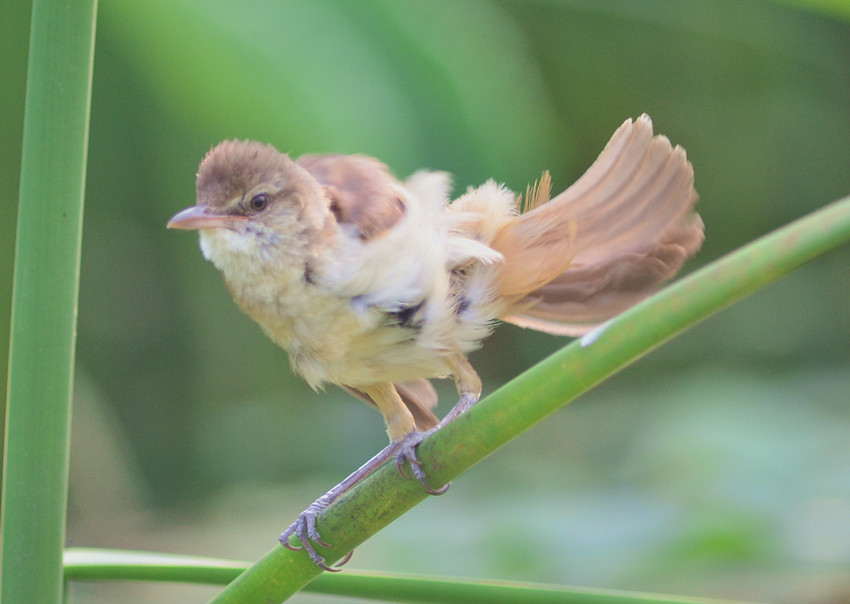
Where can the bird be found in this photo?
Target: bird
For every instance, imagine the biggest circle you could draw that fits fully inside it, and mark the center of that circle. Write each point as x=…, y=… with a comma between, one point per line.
x=378, y=285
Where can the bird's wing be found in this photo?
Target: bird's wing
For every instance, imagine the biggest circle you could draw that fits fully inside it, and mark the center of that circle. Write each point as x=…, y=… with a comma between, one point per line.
x=362, y=191
x=388, y=256
x=631, y=222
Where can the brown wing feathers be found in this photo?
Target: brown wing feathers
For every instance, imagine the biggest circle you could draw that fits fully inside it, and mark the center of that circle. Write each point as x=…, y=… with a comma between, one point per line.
x=361, y=189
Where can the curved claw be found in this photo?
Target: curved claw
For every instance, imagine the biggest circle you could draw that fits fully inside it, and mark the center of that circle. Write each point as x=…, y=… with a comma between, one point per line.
x=343, y=562
x=406, y=451
x=284, y=541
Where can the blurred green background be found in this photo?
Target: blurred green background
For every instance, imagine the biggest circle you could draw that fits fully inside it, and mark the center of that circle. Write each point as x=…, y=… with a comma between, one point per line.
x=717, y=466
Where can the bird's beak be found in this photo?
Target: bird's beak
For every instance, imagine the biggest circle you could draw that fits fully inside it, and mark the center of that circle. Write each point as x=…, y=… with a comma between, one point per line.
x=199, y=217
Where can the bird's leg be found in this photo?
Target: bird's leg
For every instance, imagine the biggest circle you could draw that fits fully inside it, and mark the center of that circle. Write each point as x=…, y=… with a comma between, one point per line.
x=401, y=429
x=469, y=388
x=404, y=438
x=400, y=424
x=304, y=528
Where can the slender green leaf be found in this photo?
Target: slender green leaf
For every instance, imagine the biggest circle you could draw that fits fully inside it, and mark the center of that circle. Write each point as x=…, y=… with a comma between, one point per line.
x=14, y=34
x=44, y=299
x=82, y=564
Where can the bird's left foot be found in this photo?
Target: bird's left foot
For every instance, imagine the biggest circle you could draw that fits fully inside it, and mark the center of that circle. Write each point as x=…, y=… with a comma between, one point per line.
x=406, y=451
x=304, y=529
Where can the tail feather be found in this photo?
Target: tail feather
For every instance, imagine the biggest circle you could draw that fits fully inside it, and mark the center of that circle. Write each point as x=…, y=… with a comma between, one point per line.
x=606, y=242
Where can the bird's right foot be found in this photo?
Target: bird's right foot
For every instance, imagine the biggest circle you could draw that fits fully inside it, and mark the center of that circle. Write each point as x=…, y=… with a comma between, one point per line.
x=406, y=451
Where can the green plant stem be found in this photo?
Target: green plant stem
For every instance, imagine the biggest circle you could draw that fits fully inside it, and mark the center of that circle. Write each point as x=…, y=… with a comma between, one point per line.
x=526, y=400
x=84, y=564
x=44, y=299
x=14, y=35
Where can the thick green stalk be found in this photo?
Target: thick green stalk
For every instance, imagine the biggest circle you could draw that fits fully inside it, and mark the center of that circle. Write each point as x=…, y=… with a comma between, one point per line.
x=526, y=400
x=44, y=299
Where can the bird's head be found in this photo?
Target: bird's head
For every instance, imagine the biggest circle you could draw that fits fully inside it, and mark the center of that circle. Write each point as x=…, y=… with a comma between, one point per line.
x=251, y=200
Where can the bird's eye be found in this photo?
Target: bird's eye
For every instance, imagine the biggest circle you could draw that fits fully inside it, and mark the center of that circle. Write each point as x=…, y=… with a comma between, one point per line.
x=259, y=202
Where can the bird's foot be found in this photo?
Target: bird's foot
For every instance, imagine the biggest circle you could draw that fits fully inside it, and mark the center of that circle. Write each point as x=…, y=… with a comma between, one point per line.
x=304, y=529
x=406, y=451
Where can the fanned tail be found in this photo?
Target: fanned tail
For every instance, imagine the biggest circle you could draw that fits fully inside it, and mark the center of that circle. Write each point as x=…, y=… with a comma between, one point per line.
x=605, y=243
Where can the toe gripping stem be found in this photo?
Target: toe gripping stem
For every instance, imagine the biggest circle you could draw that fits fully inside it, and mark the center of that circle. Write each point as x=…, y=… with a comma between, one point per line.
x=304, y=529
x=406, y=451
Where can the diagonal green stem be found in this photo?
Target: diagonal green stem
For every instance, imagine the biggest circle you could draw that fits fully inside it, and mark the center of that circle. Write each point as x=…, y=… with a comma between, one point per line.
x=44, y=299
x=526, y=400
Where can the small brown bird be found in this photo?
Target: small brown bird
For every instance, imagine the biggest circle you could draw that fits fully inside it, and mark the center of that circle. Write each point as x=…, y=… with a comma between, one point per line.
x=377, y=285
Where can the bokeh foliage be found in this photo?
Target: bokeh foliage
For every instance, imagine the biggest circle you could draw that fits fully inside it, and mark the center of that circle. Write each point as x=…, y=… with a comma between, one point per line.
x=716, y=466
